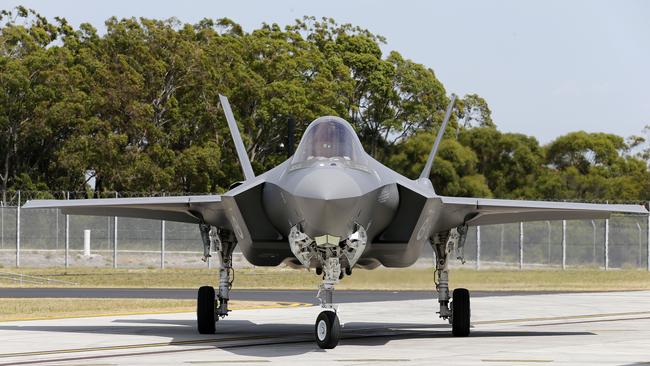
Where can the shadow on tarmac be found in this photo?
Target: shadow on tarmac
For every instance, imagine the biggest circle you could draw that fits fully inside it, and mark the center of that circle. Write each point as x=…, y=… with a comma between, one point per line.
x=246, y=338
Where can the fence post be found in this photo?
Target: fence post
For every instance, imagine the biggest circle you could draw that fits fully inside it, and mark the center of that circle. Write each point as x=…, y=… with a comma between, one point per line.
x=67, y=241
x=162, y=244
x=501, y=245
x=548, y=241
x=56, y=213
x=593, y=255
x=67, y=236
x=640, y=244
x=115, y=239
x=521, y=245
x=478, y=248
x=18, y=232
x=606, y=244
x=2, y=224
x=648, y=238
x=563, y=244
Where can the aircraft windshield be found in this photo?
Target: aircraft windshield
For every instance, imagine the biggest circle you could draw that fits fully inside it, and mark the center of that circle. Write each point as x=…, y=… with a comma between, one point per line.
x=329, y=138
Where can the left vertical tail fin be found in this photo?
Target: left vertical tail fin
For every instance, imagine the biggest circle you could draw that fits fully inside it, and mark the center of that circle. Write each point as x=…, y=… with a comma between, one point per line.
x=427, y=167
x=246, y=166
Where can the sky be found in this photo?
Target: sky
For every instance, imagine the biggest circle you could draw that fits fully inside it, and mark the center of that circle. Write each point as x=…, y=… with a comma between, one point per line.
x=546, y=68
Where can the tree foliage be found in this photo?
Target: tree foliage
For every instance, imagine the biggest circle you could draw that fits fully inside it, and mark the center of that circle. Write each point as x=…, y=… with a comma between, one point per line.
x=136, y=108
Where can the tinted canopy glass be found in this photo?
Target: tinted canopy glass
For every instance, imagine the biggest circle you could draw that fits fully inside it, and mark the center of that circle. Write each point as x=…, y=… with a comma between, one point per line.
x=329, y=138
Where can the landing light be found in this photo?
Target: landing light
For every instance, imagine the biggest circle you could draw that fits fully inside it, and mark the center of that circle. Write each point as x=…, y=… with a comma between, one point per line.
x=327, y=240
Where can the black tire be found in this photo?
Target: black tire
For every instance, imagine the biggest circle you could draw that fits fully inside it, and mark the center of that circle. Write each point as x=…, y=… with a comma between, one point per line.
x=460, y=313
x=205, y=314
x=327, y=330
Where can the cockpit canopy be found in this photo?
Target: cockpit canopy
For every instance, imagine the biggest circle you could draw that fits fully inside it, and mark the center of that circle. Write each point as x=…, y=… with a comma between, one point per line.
x=330, y=138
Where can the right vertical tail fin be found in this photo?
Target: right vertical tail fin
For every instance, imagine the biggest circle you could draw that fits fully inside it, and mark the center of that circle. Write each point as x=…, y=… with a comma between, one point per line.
x=427, y=167
x=246, y=166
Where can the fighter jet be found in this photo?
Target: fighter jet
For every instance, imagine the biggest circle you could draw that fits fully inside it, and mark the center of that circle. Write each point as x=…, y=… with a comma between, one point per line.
x=331, y=207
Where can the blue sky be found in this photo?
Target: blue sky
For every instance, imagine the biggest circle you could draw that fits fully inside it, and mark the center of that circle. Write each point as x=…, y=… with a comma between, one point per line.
x=545, y=67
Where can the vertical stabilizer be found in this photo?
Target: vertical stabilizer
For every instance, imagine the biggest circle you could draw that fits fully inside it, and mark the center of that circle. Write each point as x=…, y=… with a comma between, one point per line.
x=427, y=167
x=239, y=144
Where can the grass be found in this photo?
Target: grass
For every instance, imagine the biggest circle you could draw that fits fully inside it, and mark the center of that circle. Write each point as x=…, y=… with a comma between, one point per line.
x=31, y=309
x=379, y=279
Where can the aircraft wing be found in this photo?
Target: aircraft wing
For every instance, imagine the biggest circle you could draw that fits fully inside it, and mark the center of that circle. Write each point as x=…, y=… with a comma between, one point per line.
x=455, y=211
x=192, y=209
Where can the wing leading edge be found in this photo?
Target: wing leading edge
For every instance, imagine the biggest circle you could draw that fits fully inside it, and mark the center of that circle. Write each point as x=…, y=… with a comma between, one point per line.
x=456, y=211
x=191, y=209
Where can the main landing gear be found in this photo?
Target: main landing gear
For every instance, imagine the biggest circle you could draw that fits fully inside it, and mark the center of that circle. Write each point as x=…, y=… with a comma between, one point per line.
x=211, y=305
x=459, y=313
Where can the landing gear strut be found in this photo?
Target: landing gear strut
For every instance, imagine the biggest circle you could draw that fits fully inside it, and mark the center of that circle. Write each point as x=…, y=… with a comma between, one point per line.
x=459, y=313
x=211, y=306
x=332, y=258
x=328, y=327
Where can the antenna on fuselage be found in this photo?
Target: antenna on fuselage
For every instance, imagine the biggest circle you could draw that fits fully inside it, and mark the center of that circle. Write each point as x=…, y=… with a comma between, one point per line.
x=239, y=143
x=427, y=167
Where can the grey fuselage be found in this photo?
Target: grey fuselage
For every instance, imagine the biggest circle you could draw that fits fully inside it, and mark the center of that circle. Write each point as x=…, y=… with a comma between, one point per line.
x=330, y=196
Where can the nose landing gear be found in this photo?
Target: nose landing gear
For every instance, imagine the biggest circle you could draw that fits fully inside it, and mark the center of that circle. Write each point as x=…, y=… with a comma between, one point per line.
x=328, y=327
x=329, y=255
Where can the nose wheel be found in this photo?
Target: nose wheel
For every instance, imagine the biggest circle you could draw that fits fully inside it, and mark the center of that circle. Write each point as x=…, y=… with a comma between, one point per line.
x=327, y=329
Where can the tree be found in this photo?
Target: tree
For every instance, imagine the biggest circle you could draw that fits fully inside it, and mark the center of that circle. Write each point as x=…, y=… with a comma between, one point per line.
x=510, y=162
x=582, y=150
x=387, y=99
x=454, y=170
x=594, y=166
x=137, y=108
x=473, y=111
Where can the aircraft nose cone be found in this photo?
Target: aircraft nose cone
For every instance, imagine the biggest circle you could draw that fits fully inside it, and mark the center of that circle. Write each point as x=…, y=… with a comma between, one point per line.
x=328, y=202
x=327, y=184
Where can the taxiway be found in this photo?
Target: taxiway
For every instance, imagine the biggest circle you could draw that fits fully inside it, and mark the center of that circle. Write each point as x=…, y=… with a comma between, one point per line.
x=564, y=329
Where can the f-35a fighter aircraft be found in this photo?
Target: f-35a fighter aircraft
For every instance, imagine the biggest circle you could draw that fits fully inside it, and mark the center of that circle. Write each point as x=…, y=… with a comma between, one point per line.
x=332, y=207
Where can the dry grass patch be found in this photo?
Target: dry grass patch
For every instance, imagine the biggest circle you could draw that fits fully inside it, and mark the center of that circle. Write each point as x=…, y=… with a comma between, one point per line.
x=379, y=279
x=47, y=308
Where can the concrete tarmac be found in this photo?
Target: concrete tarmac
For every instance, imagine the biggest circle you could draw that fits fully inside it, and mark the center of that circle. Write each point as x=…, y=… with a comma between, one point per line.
x=564, y=329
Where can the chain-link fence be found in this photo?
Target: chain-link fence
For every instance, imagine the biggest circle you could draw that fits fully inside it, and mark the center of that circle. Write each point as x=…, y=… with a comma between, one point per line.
x=619, y=242
x=48, y=238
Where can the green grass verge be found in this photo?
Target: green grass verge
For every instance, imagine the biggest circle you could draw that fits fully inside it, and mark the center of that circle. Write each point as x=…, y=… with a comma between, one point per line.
x=379, y=279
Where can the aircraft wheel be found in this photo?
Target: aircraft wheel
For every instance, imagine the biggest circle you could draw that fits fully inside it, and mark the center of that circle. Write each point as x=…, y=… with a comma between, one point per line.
x=328, y=329
x=205, y=314
x=460, y=313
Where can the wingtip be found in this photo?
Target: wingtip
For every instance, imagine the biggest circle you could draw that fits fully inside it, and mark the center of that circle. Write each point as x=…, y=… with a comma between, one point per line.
x=34, y=204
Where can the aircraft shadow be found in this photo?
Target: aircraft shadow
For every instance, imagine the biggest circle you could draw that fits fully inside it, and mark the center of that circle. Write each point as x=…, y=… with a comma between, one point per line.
x=276, y=340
